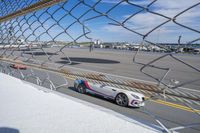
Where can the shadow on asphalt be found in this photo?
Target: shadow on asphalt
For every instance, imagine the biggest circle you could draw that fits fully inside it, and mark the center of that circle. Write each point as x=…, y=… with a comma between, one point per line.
x=40, y=53
x=91, y=60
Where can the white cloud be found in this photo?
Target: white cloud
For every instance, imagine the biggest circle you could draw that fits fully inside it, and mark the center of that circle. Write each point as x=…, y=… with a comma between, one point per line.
x=174, y=4
x=144, y=22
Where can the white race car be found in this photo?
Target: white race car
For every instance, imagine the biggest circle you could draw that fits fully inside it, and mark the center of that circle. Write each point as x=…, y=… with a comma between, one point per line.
x=121, y=97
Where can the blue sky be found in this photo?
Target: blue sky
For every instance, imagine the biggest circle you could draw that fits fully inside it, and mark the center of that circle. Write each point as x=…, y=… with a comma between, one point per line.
x=102, y=29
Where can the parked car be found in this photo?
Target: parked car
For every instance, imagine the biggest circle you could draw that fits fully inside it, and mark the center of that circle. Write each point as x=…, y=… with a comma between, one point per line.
x=120, y=96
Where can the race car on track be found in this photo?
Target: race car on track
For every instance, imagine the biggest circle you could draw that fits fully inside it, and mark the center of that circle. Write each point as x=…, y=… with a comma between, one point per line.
x=18, y=66
x=120, y=96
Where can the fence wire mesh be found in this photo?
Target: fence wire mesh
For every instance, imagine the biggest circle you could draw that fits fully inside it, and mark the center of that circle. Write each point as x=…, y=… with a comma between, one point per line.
x=39, y=32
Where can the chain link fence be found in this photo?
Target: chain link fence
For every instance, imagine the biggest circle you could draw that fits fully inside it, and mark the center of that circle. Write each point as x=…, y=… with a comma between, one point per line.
x=47, y=28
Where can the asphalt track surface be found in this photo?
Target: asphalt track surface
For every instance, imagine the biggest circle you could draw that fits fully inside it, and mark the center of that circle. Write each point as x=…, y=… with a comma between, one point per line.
x=170, y=116
x=119, y=62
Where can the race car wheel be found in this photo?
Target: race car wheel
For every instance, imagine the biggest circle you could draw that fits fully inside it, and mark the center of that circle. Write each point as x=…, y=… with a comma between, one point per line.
x=121, y=99
x=81, y=89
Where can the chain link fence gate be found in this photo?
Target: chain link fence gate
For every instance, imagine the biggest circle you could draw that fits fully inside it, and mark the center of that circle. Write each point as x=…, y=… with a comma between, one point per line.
x=29, y=28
